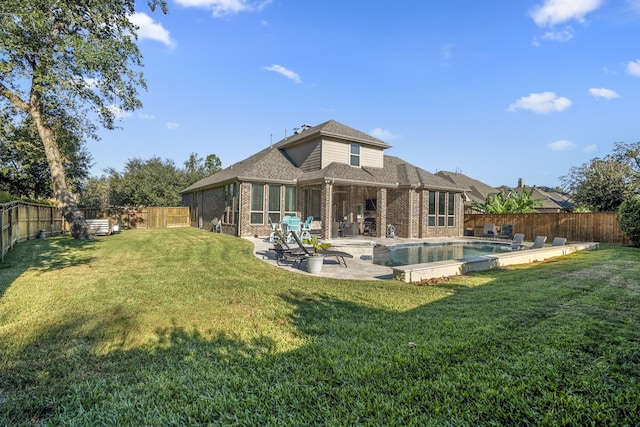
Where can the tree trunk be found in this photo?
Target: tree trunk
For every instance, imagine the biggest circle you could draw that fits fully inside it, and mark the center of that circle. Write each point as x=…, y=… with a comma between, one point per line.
x=79, y=228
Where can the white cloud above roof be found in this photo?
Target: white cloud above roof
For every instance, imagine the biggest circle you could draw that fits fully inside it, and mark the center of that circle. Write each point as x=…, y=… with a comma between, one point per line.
x=561, y=145
x=172, y=125
x=553, y=12
x=603, y=93
x=291, y=75
x=225, y=7
x=633, y=68
x=382, y=134
x=148, y=29
x=541, y=103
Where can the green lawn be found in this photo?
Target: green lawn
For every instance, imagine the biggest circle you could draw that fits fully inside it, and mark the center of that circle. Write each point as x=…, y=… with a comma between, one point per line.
x=186, y=327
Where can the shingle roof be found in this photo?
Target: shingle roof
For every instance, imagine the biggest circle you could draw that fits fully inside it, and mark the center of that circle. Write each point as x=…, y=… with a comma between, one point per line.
x=332, y=128
x=272, y=164
x=476, y=190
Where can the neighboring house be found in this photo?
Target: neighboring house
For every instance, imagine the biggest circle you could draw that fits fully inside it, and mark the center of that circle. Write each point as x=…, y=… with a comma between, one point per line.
x=551, y=200
x=335, y=174
x=477, y=191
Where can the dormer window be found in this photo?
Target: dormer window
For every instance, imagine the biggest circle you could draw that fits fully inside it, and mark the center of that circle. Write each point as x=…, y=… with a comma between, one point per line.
x=355, y=155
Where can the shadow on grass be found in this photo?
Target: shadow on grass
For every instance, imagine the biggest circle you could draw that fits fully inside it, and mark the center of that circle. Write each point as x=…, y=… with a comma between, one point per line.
x=54, y=253
x=475, y=358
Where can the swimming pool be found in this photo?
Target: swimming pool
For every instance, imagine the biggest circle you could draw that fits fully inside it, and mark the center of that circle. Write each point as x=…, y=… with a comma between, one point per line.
x=396, y=255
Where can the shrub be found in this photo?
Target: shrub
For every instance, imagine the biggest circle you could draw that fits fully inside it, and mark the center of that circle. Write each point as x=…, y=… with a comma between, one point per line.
x=629, y=219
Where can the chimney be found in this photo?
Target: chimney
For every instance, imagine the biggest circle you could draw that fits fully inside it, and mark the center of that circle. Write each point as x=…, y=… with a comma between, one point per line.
x=519, y=182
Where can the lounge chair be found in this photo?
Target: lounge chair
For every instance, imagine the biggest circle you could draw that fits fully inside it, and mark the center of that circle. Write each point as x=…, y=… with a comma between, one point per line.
x=285, y=253
x=539, y=242
x=559, y=241
x=506, y=232
x=340, y=256
x=516, y=244
x=490, y=230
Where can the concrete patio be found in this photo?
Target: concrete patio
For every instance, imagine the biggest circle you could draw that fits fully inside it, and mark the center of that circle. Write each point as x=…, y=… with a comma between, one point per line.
x=361, y=266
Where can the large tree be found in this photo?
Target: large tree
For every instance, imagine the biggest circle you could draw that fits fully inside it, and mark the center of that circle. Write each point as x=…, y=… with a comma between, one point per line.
x=153, y=182
x=24, y=171
x=599, y=185
x=58, y=60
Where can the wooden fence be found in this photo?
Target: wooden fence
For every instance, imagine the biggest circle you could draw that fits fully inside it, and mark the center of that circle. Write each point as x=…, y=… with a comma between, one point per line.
x=599, y=227
x=145, y=217
x=20, y=221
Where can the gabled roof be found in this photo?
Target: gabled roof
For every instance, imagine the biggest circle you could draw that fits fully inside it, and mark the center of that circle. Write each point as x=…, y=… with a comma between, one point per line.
x=476, y=190
x=334, y=129
x=273, y=165
x=396, y=173
x=270, y=164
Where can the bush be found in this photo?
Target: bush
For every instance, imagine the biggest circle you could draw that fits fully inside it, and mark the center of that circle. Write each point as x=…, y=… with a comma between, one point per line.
x=629, y=219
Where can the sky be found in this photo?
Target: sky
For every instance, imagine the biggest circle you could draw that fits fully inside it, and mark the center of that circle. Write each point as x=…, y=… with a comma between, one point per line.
x=497, y=90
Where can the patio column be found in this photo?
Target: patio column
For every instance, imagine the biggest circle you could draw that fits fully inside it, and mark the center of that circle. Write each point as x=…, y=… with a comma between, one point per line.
x=327, y=203
x=381, y=213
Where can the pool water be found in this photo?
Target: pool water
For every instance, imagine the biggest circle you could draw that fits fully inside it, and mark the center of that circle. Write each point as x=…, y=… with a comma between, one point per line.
x=429, y=252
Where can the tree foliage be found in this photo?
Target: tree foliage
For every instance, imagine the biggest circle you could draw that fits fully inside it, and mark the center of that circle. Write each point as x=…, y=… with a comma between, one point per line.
x=63, y=61
x=197, y=168
x=629, y=219
x=24, y=171
x=153, y=182
x=599, y=185
x=512, y=202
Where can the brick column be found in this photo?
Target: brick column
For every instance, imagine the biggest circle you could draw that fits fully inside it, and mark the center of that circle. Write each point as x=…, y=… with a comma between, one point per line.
x=327, y=201
x=381, y=214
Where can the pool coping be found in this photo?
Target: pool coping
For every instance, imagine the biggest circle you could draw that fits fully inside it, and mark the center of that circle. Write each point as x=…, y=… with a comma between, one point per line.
x=432, y=270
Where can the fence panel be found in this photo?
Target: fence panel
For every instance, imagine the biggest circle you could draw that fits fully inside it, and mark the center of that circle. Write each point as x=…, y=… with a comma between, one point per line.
x=576, y=227
x=20, y=221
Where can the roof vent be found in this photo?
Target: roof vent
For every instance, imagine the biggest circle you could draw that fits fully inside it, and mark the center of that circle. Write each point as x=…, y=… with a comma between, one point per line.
x=301, y=129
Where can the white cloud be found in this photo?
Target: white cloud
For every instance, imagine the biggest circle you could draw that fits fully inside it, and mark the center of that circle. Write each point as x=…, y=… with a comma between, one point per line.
x=148, y=29
x=590, y=148
x=562, y=36
x=541, y=103
x=291, y=75
x=91, y=82
x=225, y=7
x=633, y=68
x=172, y=125
x=118, y=113
x=562, y=145
x=146, y=116
x=382, y=134
x=553, y=12
x=603, y=93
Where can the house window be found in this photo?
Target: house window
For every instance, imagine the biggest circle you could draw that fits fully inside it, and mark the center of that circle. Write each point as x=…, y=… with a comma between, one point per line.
x=231, y=210
x=355, y=155
x=290, y=200
x=442, y=198
x=451, y=212
x=432, y=209
x=257, y=203
x=316, y=203
x=274, y=203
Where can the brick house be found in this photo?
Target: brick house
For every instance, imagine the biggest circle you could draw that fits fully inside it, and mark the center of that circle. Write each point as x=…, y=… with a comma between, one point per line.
x=336, y=174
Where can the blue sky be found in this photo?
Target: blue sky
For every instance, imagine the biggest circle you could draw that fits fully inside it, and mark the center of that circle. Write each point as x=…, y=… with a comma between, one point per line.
x=498, y=90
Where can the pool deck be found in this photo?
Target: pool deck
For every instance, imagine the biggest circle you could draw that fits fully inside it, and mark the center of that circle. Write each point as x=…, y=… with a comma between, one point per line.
x=361, y=267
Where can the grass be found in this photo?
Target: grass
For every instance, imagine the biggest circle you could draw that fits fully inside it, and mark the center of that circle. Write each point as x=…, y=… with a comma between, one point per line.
x=185, y=327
